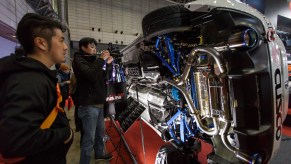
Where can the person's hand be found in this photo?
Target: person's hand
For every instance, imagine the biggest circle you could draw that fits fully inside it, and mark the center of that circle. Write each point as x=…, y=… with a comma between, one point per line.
x=69, y=139
x=68, y=82
x=105, y=55
x=109, y=60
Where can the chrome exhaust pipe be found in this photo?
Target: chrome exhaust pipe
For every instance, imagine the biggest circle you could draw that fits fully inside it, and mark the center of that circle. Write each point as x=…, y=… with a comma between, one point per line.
x=196, y=113
x=240, y=155
x=194, y=54
x=245, y=39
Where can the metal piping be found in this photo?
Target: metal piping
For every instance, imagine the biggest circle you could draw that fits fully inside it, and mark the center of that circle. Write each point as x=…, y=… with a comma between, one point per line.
x=244, y=39
x=242, y=156
x=191, y=59
x=193, y=110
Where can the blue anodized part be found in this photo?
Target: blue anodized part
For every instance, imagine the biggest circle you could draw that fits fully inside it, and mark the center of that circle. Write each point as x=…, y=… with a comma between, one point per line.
x=185, y=130
x=158, y=54
x=166, y=63
x=178, y=62
x=171, y=52
x=158, y=43
x=175, y=94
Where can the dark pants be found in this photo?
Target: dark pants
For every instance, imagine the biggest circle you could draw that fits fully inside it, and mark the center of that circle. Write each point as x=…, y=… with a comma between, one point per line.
x=93, y=125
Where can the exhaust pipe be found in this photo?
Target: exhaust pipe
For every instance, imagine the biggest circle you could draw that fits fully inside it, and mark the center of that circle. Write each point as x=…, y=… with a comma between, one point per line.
x=204, y=129
x=246, y=39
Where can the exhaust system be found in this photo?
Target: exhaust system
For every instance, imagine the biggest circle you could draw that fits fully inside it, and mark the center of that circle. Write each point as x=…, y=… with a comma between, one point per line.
x=243, y=40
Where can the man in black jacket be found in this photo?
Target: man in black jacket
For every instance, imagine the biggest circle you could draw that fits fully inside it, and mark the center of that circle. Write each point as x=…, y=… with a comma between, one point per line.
x=28, y=95
x=91, y=75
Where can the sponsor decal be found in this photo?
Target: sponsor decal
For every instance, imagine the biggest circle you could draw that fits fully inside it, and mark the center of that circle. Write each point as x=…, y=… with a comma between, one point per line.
x=113, y=97
x=278, y=93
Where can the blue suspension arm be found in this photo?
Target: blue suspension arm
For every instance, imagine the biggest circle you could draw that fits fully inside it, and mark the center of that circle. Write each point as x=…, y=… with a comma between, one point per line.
x=182, y=131
x=185, y=130
x=166, y=63
x=171, y=52
x=174, y=117
x=173, y=136
x=178, y=63
x=158, y=43
x=158, y=54
x=190, y=133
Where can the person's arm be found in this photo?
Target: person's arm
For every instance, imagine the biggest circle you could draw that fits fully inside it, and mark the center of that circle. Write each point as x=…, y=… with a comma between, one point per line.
x=64, y=83
x=88, y=71
x=109, y=67
x=21, y=117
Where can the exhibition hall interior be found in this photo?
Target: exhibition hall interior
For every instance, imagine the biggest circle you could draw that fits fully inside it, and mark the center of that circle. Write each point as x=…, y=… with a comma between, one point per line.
x=145, y=81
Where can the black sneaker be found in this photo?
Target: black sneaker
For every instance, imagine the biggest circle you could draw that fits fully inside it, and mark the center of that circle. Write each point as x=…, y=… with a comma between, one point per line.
x=105, y=157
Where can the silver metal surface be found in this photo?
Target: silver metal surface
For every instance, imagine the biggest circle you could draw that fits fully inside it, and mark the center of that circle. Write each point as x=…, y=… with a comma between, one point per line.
x=202, y=93
x=148, y=95
x=239, y=154
x=195, y=112
x=195, y=54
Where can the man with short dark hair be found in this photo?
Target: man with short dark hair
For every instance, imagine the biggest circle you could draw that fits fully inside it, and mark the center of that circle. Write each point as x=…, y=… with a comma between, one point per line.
x=91, y=96
x=28, y=96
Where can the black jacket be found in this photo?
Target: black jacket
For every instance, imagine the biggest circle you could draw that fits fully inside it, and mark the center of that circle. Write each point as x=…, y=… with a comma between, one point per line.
x=90, y=76
x=27, y=96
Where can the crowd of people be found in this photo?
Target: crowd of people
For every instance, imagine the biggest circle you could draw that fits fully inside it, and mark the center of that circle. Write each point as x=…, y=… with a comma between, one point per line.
x=34, y=127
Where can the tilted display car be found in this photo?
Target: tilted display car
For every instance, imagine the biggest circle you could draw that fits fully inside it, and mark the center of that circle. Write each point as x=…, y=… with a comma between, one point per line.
x=212, y=70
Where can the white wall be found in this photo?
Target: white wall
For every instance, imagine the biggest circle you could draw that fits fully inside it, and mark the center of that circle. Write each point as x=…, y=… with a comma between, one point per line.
x=275, y=8
x=109, y=15
x=11, y=11
x=6, y=47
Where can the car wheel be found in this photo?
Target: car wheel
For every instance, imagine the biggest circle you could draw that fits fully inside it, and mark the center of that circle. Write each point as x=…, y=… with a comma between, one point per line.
x=168, y=19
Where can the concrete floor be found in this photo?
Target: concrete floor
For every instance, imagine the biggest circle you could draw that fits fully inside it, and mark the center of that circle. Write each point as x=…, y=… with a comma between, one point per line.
x=73, y=155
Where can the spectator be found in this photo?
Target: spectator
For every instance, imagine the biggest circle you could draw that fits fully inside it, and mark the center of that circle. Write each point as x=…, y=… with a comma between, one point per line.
x=63, y=76
x=91, y=97
x=29, y=95
x=73, y=91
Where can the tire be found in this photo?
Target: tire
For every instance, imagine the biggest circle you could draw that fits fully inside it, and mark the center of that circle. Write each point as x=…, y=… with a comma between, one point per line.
x=175, y=18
